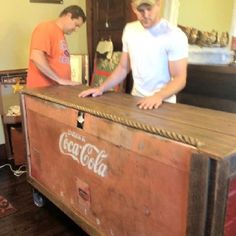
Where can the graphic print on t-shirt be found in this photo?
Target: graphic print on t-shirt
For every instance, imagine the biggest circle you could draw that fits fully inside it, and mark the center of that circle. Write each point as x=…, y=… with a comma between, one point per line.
x=65, y=56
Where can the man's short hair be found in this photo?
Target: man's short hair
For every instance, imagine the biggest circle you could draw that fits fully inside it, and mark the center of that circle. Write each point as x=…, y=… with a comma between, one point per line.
x=75, y=11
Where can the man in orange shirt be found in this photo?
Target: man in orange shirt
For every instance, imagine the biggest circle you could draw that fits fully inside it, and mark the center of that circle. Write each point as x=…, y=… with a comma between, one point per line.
x=49, y=62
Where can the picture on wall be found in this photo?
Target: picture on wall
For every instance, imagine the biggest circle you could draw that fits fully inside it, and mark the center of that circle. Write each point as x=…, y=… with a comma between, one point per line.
x=47, y=1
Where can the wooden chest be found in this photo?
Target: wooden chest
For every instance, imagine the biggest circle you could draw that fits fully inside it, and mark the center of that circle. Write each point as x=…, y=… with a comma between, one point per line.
x=117, y=170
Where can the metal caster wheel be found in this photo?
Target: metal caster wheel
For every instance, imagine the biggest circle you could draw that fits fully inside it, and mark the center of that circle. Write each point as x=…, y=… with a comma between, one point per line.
x=39, y=199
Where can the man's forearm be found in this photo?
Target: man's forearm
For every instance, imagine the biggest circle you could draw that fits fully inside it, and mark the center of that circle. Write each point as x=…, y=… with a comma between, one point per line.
x=118, y=75
x=173, y=87
x=47, y=71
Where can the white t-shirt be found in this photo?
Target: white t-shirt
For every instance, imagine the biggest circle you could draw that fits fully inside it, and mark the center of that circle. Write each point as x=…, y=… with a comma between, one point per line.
x=149, y=51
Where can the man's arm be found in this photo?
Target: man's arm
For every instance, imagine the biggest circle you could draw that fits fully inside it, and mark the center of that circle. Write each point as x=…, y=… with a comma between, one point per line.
x=39, y=59
x=178, y=72
x=117, y=76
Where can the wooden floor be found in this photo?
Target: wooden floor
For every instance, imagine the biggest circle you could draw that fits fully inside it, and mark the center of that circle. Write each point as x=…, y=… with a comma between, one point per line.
x=30, y=220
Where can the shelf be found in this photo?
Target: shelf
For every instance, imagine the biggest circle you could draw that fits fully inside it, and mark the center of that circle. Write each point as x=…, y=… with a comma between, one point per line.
x=11, y=119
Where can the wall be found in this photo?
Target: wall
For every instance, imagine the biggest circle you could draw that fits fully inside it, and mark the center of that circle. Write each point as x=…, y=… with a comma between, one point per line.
x=18, y=19
x=206, y=14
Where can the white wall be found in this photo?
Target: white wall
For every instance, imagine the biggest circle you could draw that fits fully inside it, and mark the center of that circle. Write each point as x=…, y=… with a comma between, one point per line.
x=206, y=14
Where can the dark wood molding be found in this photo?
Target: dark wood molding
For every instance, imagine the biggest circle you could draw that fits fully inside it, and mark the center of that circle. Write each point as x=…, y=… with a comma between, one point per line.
x=15, y=71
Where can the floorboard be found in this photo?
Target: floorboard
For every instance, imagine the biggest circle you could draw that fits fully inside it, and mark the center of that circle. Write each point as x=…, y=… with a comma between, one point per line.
x=30, y=220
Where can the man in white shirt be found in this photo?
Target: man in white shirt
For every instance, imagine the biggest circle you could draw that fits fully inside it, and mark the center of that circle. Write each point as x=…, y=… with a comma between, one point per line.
x=156, y=52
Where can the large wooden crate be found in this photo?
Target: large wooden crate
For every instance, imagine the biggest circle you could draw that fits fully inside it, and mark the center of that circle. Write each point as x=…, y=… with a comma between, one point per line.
x=118, y=170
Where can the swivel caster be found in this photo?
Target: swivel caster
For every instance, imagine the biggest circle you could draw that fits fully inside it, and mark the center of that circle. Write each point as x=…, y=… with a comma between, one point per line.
x=39, y=199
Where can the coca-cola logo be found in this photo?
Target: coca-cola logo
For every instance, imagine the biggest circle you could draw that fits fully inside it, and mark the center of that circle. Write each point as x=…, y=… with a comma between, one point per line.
x=87, y=154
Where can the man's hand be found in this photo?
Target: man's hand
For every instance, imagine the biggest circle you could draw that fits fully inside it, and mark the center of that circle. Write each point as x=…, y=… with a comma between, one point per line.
x=148, y=103
x=94, y=92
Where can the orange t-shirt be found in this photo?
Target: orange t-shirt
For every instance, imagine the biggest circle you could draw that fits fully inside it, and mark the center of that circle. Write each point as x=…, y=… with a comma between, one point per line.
x=49, y=38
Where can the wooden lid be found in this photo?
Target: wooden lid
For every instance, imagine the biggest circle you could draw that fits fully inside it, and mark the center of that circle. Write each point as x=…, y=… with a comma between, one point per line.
x=210, y=131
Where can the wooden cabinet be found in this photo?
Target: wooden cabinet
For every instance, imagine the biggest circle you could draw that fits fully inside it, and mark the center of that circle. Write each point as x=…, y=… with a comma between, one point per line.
x=9, y=78
x=106, y=20
x=10, y=98
x=210, y=86
x=18, y=145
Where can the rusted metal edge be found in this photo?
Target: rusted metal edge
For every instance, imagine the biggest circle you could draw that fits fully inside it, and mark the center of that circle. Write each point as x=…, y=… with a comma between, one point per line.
x=150, y=129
